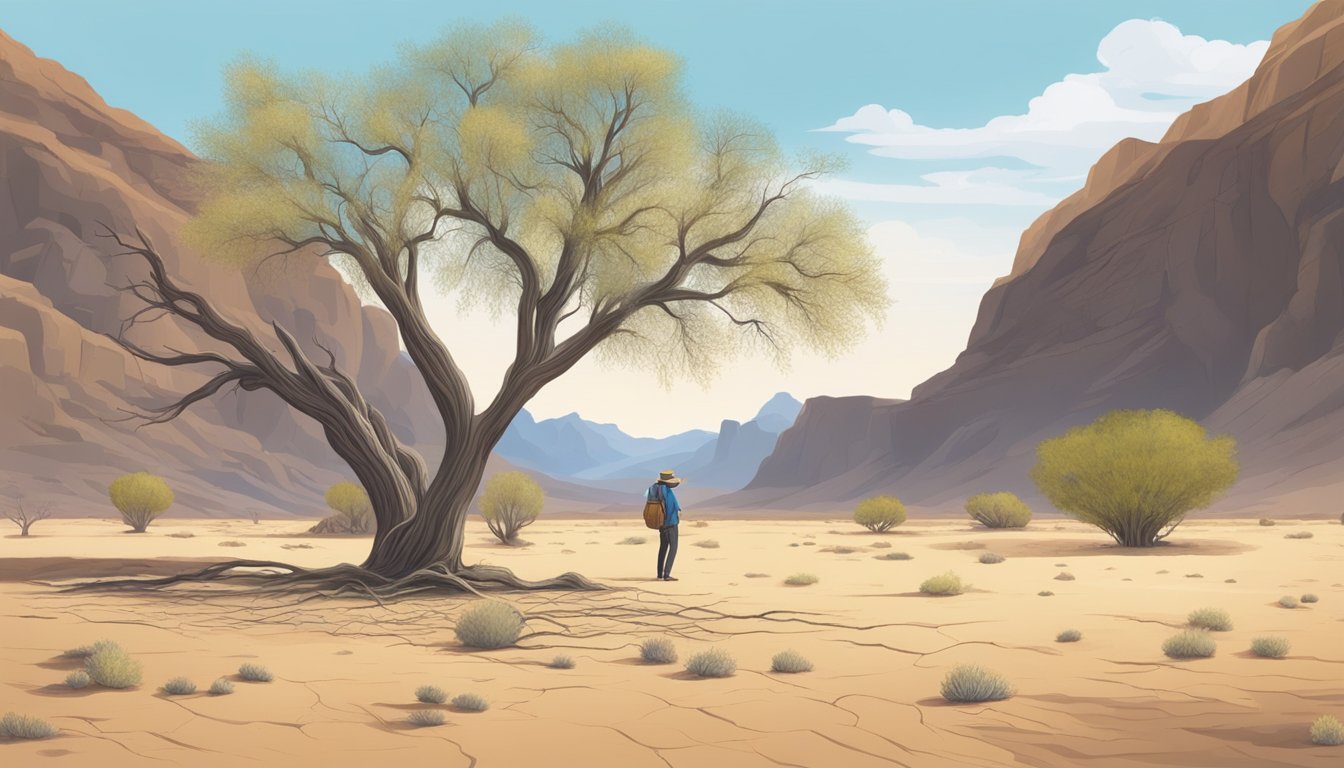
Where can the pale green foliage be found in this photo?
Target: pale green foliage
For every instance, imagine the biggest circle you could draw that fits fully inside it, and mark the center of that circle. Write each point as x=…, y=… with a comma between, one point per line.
x=1327, y=731
x=1270, y=646
x=354, y=510
x=880, y=513
x=715, y=662
x=15, y=726
x=425, y=718
x=561, y=662
x=1288, y=601
x=1069, y=636
x=510, y=502
x=790, y=662
x=140, y=498
x=470, y=702
x=991, y=558
x=801, y=580
x=1135, y=474
x=111, y=667
x=430, y=694
x=179, y=686
x=1213, y=619
x=973, y=683
x=999, y=510
x=489, y=624
x=945, y=584
x=85, y=651
x=658, y=650
x=1190, y=644
x=255, y=673
x=221, y=687
x=78, y=679
x=496, y=165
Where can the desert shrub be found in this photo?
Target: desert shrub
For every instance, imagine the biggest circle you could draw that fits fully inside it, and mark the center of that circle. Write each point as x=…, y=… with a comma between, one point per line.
x=354, y=510
x=1288, y=601
x=470, y=702
x=561, y=662
x=489, y=624
x=1135, y=474
x=894, y=556
x=1045, y=593
x=658, y=650
x=24, y=514
x=111, y=667
x=221, y=687
x=78, y=679
x=1069, y=636
x=715, y=662
x=1064, y=576
x=140, y=498
x=999, y=510
x=801, y=580
x=510, y=502
x=990, y=558
x=1190, y=644
x=1270, y=646
x=1299, y=535
x=179, y=686
x=1229, y=581
x=233, y=544
x=85, y=651
x=632, y=540
x=1327, y=732
x=945, y=584
x=881, y=545
x=880, y=513
x=15, y=726
x=790, y=662
x=430, y=694
x=426, y=718
x=255, y=673
x=1310, y=598
x=973, y=683
x=1213, y=619
x=707, y=544
x=1266, y=522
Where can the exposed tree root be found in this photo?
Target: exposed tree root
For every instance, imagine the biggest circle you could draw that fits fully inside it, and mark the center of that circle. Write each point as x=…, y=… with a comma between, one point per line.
x=344, y=580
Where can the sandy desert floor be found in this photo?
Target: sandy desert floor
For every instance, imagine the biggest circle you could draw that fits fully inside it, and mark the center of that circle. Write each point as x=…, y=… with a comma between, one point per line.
x=345, y=671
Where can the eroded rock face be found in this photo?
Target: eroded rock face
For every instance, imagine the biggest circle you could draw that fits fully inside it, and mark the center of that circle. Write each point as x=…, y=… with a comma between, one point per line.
x=1203, y=273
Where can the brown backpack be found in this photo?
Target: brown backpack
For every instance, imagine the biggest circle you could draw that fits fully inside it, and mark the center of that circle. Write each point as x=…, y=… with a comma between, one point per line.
x=655, y=510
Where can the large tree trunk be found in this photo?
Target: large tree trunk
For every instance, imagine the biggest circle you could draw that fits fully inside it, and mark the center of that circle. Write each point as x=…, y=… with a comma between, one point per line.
x=433, y=535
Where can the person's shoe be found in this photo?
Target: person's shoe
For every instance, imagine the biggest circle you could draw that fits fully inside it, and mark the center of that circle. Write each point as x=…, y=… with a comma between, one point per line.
x=671, y=578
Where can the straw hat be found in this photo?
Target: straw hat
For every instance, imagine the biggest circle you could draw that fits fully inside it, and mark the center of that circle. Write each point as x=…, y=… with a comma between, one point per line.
x=669, y=477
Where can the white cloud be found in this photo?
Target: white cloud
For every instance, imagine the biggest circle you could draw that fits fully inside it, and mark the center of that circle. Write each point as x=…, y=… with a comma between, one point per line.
x=1152, y=73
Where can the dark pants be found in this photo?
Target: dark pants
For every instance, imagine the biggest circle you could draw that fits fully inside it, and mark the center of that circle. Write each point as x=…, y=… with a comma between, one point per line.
x=667, y=550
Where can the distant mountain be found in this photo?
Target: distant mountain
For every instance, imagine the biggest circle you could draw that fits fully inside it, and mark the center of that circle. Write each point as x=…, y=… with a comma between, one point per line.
x=731, y=460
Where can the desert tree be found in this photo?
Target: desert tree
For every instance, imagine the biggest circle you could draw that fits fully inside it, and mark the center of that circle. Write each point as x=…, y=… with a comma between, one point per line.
x=1135, y=474
x=25, y=513
x=510, y=502
x=879, y=513
x=570, y=187
x=140, y=498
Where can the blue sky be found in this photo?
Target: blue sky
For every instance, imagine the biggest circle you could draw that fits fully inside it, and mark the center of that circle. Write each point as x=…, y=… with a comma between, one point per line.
x=932, y=102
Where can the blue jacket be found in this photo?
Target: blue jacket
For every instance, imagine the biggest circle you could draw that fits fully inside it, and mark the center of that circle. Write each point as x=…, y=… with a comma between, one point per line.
x=671, y=507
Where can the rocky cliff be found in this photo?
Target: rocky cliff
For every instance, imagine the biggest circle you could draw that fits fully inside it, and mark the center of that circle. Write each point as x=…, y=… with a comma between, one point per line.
x=1203, y=273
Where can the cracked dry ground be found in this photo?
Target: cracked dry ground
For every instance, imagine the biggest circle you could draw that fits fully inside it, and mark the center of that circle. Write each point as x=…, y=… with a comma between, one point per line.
x=345, y=671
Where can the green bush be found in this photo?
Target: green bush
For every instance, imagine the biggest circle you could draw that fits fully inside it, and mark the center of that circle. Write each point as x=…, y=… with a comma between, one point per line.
x=801, y=580
x=78, y=679
x=945, y=584
x=561, y=662
x=15, y=726
x=489, y=624
x=510, y=502
x=353, y=508
x=973, y=683
x=990, y=558
x=880, y=513
x=470, y=702
x=1190, y=644
x=140, y=498
x=658, y=650
x=179, y=686
x=1310, y=598
x=715, y=662
x=790, y=662
x=1270, y=646
x=430, y=694
x=254, y=673
x=426, y=718
x=1135, y=474
x=894, y=556
x=1299, y=535
x=1288, y=601
x=1213, y=619
x=111, y=667
x=221, y=687
x=1069, y=636
x=999, y=510
x=1327, y=732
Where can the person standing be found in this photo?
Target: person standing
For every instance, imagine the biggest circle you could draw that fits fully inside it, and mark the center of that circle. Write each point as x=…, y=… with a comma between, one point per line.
x=667, y=533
